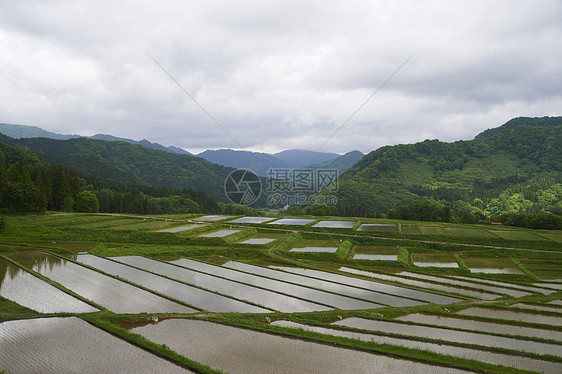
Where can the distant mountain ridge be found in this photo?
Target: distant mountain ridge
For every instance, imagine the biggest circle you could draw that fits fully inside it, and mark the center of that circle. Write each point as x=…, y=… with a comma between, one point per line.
x=24, y=131
x=261, y=163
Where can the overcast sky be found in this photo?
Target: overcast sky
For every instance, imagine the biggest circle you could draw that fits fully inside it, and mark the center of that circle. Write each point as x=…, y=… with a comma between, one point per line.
x=279, y=74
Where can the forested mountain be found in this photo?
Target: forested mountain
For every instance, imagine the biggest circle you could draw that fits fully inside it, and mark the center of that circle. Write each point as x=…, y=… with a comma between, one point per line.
x=21, y=131
x=29, y=184
x=514, y=168
x=300, y=158
x=258, y=162
x=129, y=163
x=341, y=163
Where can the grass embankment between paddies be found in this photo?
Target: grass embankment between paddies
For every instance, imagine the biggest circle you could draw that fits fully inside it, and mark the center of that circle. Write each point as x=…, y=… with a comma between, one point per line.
x=345, y=250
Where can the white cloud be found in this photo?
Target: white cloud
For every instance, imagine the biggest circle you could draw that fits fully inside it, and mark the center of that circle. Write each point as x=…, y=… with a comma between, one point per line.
x=279, y=74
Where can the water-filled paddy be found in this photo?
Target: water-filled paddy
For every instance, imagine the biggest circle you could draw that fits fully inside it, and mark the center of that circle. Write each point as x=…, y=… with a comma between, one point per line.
x=115, y=295
x=518, y=286
x=26, y=289
x=492, y=265
x=375, y=257
x=544, y=308
x=396, y=291
x=219, y=234
x=469, y=324
x=252, y=220
x=291, y=221
x=491, y=357
x=441, y=260
x=257, y=241
x=181, y=228
x=424, y=284
x=191, y=295
x=243, y=351
x=335, y=224
x=300, y=289
x=462, y=283
x=451, y=335
x=71, y=345
x=212, y=218
x=512, y=315
x=238, y=290
x=342, y=288
x=374, y=252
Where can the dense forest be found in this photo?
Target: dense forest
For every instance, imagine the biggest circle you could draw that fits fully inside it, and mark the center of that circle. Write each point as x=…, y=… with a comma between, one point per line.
x=513, y=169
x=30, y=184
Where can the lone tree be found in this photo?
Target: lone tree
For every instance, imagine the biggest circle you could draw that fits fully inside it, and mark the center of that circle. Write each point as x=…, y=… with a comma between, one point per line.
x=86, y=202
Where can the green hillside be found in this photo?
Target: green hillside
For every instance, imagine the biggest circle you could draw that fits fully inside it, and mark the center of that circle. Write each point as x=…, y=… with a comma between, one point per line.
x=341, y=163
x=514, y=168
x=129, y=163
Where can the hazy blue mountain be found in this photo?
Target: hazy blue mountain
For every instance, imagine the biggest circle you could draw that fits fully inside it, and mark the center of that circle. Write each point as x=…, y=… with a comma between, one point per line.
x=23, y=131
x=302, y=158
x=255, y=161
x=341, y=163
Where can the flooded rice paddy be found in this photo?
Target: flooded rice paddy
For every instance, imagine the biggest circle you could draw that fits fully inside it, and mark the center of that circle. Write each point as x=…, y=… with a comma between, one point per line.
x=237, y=350
x=453, y=335
x=301, y=290
x=212, y=218
x=194, y=296
x=491, y=327
x=71, y=345
x=219, y=234
x=252, y=220
x=182, y=228
x=111, y=293
x=291, y=221
x=378, y=227
x=335, y=224
x=257, y=241
x=544, y=308
x=212, y=281
x=424, y=284
x=512, y=315
x=483, y=355
x=398, y=293
x=471, y=284
x=28, y=290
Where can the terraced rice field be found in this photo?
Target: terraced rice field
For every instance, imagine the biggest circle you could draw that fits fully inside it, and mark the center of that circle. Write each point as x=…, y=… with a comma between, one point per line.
x=252, y=220
x=71, y=345
x=373, y=252
x=222, y=283
x=425, y=284
x=28, y=290
x=181, y=228
x=113, y=294
x=291, y=221
x=335, y=224
x=190, y=295
x=237, y=350
x=495, y=357
x=212, y=218
x=301, y=290
x=453, y=335
x=257, y=241
x=491, y=265
x=383, y=288
x=473, y=325
x=378, y=227
x=526, y=317
x=219, y=234
x=441, y=260
x=340, y=288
